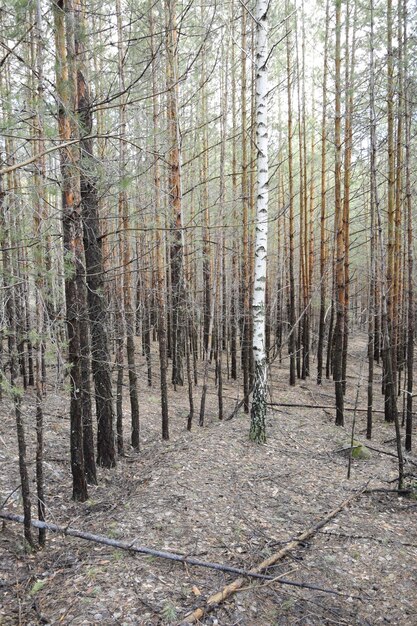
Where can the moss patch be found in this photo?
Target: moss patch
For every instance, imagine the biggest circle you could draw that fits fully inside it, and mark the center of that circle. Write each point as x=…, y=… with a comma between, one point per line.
x=360, y=452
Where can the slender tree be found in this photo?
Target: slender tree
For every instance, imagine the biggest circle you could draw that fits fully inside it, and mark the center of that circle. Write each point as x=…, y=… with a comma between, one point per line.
x=410, y=256
x=39, y=220
x=160, y=285
x=384, y=280
x=15, y=390
x=175, y=200
x=323, y=215
x=245, y=275
x=390, y=384
x=291, y=335
x=124, y=218
x=340, y=251
x=97, y=305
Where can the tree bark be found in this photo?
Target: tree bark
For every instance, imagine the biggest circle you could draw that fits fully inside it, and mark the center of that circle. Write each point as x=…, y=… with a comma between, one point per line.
x=323, y=215
x=291, y=335
x=258, y=409
x=160, y=257
x=340, y=251
x=97, y=306
x=175, y=200
x=15, y=391
x=390, y=379
x=125, y=222
x=389, y=382
x=72, y=229
x=410, y=256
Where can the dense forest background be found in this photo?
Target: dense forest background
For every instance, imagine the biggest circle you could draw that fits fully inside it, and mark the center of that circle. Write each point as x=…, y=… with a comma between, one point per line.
x=204, y=208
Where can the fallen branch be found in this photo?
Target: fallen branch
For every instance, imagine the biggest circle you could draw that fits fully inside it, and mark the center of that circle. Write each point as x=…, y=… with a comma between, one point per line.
x=328, y=533
x=401, y=492
x=237, y=408
x=3, y=504
x=236, y=585
x=393, y=454
x=317, y=406
x=130, y=546
x=73, y=532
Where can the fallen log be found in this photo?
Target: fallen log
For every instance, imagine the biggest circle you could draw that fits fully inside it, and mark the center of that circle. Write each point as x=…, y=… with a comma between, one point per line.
x=318, y=406
x=131, y=547
x=73, y=532
x=187, y=560
x=233, y=587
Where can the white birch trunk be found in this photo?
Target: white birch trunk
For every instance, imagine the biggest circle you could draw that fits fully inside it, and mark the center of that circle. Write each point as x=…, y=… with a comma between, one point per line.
x=258, y=409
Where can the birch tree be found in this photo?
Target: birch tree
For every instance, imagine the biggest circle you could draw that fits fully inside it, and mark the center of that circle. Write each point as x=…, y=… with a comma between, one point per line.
x=258, y=409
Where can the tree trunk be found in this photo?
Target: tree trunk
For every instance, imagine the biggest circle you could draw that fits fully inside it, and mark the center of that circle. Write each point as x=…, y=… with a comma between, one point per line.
x=16, y=393
x=97, y=307
x=160, y=257
x=258, y=409
x=125, y=221
x=245, y=282
x=323, y=212
x=175, y=201
x=72, y=229
x=410, y=259
x=349, y=78
x=291, y=335
x=384, y=280
x=340, y=251
x=39, y=215
x=390, y=385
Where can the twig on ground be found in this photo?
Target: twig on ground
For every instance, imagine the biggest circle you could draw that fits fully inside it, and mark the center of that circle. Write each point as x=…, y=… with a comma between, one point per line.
x=329, y=533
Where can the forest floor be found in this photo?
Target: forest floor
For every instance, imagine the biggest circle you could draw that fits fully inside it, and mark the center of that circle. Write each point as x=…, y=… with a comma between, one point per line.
x=213, y=494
